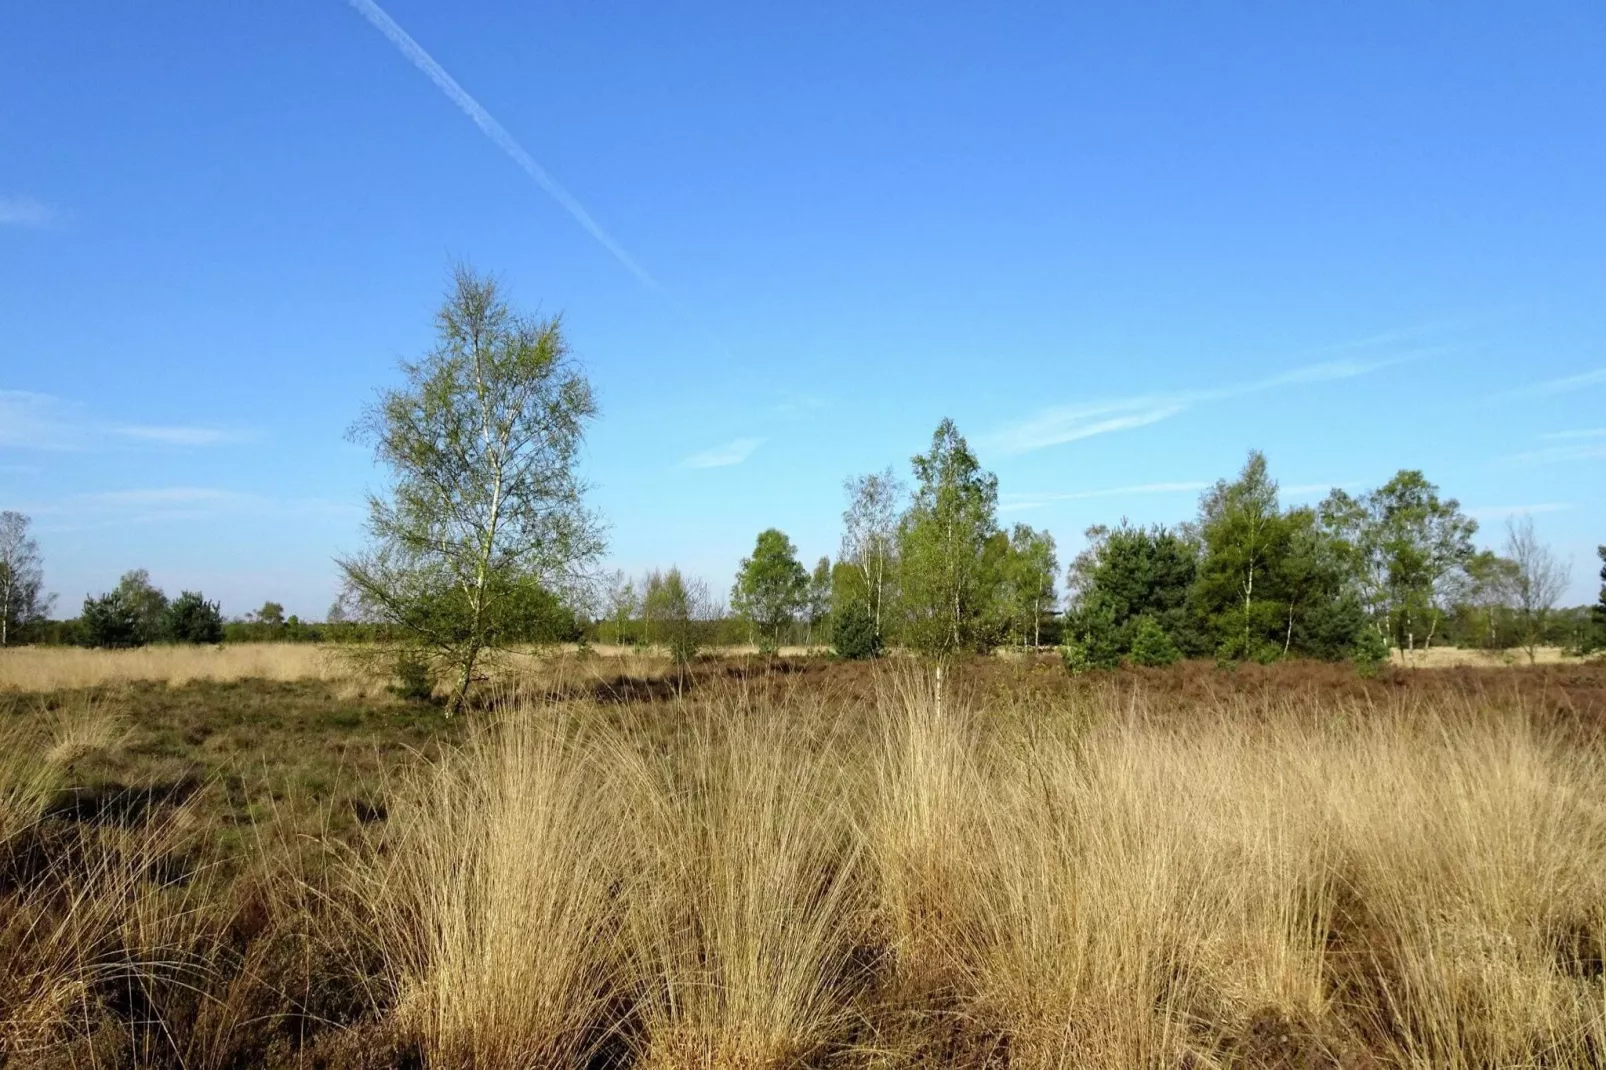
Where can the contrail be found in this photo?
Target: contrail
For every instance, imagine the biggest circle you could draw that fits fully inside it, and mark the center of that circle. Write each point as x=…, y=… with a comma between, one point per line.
x=495, y=131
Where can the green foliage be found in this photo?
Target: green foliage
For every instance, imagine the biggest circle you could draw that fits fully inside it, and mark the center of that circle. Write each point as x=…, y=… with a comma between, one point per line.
x=1599, y=609
x=110, y=621
x=1331, y=629
x=1403, y=548
x=817, y=605
x=1127, y=573
x=684, y=603
x=1244, y=535
x=192, y=619
x=1028, y=594
x=415, y=680
x=870, y=546
x=771, y=587
x=1074, y=656
x=146, y=602
x=1151, y=644
x=1370, y=652
x=1093, y=640
x=23, y=603
x=485, y=505
x=271, y=614
x=853, y=632
x=948, y=558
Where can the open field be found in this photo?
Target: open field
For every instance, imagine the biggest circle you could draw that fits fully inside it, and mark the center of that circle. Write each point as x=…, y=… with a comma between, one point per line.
x=801, y=863
x=48, y=668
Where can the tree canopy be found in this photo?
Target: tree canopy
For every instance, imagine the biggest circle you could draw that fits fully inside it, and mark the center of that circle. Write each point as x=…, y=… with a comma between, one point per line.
x=486, y=508
x=771, y=587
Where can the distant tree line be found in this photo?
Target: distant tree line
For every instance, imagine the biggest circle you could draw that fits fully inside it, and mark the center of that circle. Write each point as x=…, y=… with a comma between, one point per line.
x=483, y=541
x=1246, y=578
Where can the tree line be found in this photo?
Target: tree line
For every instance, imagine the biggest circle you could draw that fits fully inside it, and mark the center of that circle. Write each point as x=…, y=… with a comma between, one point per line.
x=484, y=540
x=1246, y=578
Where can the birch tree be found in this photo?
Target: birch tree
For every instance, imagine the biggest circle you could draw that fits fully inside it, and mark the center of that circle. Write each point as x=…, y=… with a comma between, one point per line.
x=946, y=546
x=869, y=538
x=1404, y=548
x=22, y=597
x=485, y=510
x=771, y=586
x=1538, y=580
x=1031, y=571
x=1241, y=525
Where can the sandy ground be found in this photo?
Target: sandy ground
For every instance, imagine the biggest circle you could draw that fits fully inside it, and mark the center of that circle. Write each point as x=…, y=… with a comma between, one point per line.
x=50, y=668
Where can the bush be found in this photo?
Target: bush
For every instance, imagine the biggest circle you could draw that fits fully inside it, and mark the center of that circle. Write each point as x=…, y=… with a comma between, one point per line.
x=1152, y=645
x=853, y=634
x=1093, y=643
x=1371, y=651
x=109, y=621
x=1074, y=654
x=415, y=681
x=192, y=619
x=1330, y=630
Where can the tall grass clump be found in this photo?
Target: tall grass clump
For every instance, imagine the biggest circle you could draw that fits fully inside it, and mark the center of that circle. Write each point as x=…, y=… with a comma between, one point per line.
x=498, y=895
x=742, y=931
x=1475, y=846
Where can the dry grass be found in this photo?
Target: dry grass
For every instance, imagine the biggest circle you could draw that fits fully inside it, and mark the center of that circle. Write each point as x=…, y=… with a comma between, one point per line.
x=781, y=877
x=39, y=669
x=1440, y=657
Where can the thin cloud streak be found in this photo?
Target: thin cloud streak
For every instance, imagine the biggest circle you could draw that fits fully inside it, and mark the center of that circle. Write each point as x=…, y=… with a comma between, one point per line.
x=25, y=212
x=734, y=452
x=415, y=54
x=1069, y=423
x=1024, y=501
x=45, y=422
x=1566, y=436
x=159, y=505
x=1554, y=386
x=1559, y=454
x=1119, y=492
x=1503, y=512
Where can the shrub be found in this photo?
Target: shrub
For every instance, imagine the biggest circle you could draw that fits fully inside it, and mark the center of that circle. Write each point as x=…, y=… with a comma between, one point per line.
x=853, y=634
x=1152, y=646
x=415, y=681
x=109, y=621
x=1330, y=630
x=192, y=619
x=1371, y=650
x=1073, y=652
x=1093, y=643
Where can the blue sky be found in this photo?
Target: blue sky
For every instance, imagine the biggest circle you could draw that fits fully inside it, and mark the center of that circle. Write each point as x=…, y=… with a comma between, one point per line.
x=1119, y=247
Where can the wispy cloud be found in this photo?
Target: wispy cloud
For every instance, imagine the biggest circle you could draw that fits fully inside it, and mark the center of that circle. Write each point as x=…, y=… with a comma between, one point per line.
x=157, y=505
x=733, y=452
x=1588, y=451
x=1021, y=501
x=1550, y=387
x=415, y=54
x=798, y=406
x=25, y=212
x=1501, y=512
x=1018, y=502
x=1307, y=490
x=175, y=436
x=161, y=496
x=1069, y=423
x=1569, y=436
x=44, y=422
